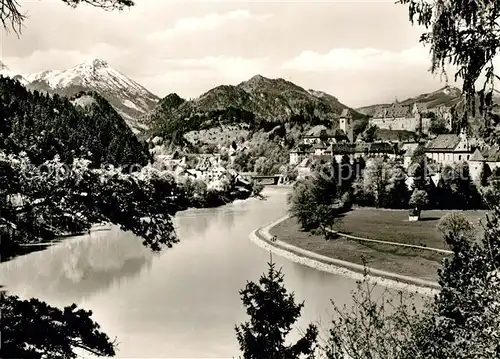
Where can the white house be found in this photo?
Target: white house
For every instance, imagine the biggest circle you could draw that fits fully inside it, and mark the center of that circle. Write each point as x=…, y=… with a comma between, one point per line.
x=319, y=134
x=321, y=148
x=449, y=149
x=300, y=152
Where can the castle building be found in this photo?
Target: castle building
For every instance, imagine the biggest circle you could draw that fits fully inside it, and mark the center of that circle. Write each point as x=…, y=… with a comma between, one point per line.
x=402, y=118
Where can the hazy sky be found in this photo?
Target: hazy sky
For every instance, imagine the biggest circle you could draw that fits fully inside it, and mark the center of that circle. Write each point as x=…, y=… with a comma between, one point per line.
x=362, y=52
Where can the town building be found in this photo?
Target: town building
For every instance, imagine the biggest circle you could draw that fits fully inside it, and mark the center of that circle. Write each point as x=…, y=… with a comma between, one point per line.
x=400, y=117
x=322, y=148
x=449, y=149
x=209, y=167
x=338, y=150
x=346, y=124
x=318, y=134
x=300, y=152
x=489, y=156
x=365, y=150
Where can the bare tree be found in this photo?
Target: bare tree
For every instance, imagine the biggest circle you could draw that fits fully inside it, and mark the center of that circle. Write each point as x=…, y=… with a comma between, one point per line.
x=465, y=34
x=12, y=17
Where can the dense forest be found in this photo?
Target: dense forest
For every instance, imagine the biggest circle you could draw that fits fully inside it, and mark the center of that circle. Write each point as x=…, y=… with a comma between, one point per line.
x=85, y=126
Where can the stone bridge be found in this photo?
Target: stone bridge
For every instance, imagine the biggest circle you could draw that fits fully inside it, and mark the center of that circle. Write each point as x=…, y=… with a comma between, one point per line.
x=265, y=180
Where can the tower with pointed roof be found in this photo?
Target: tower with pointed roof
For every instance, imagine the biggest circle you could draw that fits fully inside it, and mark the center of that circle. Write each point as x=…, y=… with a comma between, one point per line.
x=346, y=124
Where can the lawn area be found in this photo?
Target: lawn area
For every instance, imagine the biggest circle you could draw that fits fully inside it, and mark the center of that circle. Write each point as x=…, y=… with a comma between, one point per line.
x=382, y=225
x=393, y=226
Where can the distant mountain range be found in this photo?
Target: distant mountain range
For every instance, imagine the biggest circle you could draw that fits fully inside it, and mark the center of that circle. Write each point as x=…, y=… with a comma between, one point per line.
x=131, y=100
x=257, y=101
x=6, y=72
x=254, y=102
x=448, y=96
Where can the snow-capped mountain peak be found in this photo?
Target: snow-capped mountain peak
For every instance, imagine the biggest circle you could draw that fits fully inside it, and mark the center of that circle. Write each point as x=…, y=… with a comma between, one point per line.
x=6, y=72
x=128, y=97
x=95, y=73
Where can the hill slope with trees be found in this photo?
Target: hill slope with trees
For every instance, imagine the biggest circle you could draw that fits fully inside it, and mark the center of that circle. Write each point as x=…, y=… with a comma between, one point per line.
x=84, y=126
x=259, y=103
x=448, y=96
x=259, y=121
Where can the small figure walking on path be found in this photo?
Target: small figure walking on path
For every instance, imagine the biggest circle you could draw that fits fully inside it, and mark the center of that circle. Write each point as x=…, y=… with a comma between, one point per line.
x=274, y=238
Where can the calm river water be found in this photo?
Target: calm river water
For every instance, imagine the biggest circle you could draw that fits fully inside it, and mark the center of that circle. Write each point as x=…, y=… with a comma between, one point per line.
x=184, y=302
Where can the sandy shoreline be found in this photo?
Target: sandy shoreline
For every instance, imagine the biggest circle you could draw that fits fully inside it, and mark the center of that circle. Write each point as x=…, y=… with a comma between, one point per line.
x=261, y=237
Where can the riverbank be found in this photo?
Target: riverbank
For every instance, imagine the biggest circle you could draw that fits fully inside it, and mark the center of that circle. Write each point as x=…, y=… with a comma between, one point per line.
x=213, y=199
x=381, y=239
x=262, y=237
x=393, y=226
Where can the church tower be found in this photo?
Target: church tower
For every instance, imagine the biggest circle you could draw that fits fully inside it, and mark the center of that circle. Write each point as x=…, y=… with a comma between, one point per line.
x=347, y=125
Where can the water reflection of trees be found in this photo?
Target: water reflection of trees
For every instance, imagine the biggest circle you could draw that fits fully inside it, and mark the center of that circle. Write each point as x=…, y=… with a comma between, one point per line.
x=194, y=223
x=78, y=267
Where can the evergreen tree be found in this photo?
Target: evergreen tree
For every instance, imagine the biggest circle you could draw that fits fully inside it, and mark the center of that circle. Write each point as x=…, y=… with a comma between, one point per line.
x=464, y=320
x=466, y=194
x=272, y=311
x=397, y=190
x=43, y=126
x=346, y=174
x=485, y=174
x=376, y=180
x=444, y=195
x=420, y=175
x=419, y=199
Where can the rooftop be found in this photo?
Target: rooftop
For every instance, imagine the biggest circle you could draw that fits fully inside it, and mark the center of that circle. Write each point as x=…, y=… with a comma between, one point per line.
x=318, y=131
x=477, y=156
x=421, y=107
x=444, y=142
x=361, y=147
